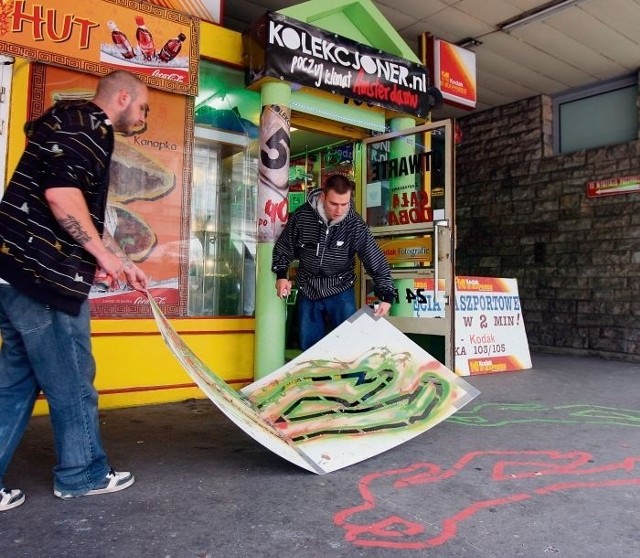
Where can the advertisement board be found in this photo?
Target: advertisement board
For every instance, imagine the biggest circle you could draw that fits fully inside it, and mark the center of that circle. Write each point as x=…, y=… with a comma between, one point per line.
x=147, y=186
x=157, y=44
x=454, y=73
x=283, y=48
x=489, y=329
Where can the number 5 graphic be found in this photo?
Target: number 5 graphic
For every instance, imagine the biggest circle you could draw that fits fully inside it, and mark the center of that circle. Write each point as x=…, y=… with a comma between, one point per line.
x=279, y=142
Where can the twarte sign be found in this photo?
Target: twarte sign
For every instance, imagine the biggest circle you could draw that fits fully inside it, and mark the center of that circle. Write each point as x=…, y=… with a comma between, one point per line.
x=284, y=48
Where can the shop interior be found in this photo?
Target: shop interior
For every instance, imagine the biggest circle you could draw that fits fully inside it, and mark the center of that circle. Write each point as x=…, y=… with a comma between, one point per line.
x=222, y=247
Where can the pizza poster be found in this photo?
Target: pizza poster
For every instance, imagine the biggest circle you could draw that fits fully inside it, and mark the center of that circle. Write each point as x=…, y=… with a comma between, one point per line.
x=145, y=203
x=489, y=330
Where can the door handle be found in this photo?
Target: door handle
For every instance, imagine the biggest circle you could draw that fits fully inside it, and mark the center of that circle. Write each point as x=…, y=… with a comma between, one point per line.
x=437, y=225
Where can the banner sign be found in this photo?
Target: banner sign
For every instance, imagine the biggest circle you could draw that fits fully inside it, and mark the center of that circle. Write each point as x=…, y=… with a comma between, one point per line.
x=155, y=43
x=613, y=186
x=284, y=48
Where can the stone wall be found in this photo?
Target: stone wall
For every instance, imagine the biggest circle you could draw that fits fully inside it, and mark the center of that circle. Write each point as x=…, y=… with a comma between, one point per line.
x=523, y=212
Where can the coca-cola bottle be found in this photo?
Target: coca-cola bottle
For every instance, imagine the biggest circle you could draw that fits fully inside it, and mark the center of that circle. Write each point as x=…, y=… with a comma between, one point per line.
x=145, y=39
x=120, y=40
x=171, y=48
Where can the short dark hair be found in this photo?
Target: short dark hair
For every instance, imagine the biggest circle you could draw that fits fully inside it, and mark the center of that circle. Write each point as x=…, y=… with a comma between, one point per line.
x=339, y=183
x=112, y=83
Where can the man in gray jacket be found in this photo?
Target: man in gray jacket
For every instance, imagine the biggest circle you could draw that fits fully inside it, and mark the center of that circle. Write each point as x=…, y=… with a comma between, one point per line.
x=325, y=234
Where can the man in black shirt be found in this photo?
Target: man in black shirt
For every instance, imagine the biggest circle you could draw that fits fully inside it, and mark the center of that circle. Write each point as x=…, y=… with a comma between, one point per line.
x=51, y=241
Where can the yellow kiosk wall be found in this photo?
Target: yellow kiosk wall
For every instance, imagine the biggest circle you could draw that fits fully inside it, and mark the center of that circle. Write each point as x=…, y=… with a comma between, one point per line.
x=134, y=367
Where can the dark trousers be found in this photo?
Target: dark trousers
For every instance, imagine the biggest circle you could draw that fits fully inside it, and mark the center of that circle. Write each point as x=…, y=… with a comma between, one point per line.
x=316, y=318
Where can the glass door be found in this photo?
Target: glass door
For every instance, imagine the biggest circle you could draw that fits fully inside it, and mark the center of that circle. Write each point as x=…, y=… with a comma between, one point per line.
x=408, y=198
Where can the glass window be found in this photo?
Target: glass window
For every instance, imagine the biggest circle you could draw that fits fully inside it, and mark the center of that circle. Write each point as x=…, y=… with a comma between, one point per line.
x=405, y=181
x=596, y=116
x=222, y=246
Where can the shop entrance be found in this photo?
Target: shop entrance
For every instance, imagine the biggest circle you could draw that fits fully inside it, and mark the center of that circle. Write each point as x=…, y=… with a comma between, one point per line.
x=314, y=157
x=405, y=192
x=408, y=188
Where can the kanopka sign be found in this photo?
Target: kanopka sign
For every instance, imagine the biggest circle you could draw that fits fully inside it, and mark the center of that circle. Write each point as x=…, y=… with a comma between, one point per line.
x=284, y=48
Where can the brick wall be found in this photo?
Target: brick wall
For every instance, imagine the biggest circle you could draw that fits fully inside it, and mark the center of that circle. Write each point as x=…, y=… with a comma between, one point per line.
x=523, y=212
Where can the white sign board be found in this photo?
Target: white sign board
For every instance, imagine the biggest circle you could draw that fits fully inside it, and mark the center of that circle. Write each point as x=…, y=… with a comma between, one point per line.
x=362, y=390
x=489, y=329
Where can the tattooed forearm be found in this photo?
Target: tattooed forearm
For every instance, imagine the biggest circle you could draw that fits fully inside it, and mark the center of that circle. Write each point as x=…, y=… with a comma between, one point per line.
x=111, y=245
x=114, y=248
x=73, y=227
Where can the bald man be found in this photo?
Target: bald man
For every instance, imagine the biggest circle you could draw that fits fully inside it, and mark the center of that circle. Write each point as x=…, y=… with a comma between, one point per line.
x=51, y=242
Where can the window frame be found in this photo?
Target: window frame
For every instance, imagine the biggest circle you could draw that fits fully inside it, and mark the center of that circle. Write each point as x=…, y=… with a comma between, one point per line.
x=586, y=92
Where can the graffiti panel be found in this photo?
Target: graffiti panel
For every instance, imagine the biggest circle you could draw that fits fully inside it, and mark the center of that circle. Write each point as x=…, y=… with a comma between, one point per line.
x=362, y=390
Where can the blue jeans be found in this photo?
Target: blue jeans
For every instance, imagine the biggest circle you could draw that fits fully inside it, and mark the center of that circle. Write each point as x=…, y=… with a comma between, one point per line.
x=49, y=350
x=316, y=318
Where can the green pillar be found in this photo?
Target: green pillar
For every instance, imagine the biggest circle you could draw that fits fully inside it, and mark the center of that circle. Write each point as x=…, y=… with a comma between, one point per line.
x=270, y=310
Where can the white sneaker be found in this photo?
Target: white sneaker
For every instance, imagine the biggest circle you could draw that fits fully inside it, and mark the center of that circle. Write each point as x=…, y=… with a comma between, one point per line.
x=10, y=499
x=113, y=482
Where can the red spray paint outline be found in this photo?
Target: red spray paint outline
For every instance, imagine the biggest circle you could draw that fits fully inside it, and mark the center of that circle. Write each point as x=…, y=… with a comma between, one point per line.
x=509, y=465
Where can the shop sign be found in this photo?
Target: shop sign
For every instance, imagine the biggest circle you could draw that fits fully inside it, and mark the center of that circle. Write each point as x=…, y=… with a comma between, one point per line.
x=402, y=251
x=613, y=186
x=155, y=43
x=454, y=73
x=284, y=48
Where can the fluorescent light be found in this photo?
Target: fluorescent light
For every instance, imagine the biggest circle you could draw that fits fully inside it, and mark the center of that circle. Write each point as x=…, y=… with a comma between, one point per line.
x=537, y=14
x=468, y=43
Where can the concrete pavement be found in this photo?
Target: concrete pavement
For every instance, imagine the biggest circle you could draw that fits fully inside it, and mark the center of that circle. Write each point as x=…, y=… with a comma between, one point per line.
x=544, y=463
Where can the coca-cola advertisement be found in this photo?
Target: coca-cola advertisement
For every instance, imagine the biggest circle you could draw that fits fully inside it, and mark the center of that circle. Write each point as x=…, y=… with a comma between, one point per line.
x=158, y=44
x=159, y=52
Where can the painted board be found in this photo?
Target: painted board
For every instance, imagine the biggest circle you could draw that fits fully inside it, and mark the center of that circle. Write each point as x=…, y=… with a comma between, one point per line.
x=362, y=390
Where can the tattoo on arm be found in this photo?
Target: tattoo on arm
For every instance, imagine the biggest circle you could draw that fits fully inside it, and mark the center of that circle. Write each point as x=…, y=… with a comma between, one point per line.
x=73, y=227
x=115, y=248
x=110, y=243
